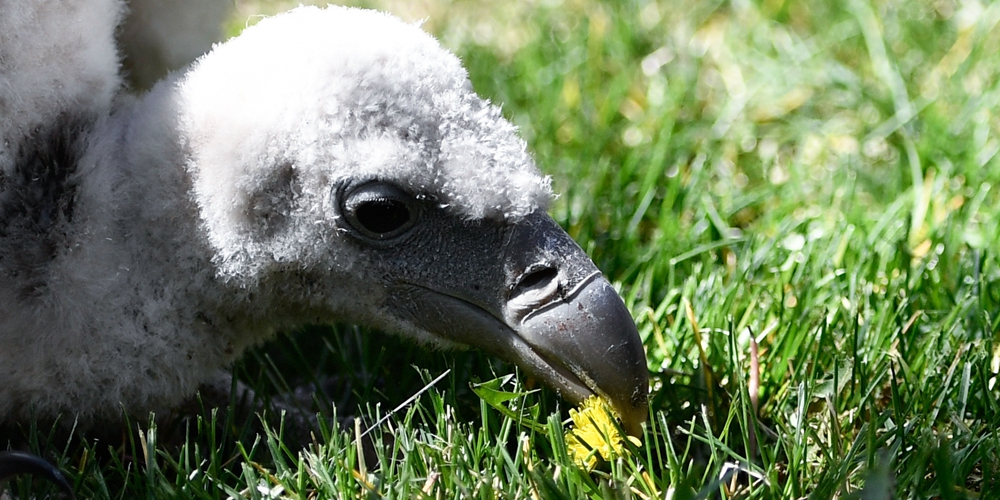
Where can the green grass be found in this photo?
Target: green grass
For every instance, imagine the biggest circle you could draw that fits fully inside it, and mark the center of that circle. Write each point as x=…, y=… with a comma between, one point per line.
x=816, y=182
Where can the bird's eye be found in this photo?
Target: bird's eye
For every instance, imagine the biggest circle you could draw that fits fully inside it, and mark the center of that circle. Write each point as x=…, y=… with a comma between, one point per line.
x=380, y=211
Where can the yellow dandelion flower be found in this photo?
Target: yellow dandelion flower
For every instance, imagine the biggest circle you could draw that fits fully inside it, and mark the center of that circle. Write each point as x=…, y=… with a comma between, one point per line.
x=593, y=433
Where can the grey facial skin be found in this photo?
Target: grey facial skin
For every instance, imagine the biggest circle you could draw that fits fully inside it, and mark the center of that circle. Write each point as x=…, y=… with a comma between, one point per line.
x=525, y=292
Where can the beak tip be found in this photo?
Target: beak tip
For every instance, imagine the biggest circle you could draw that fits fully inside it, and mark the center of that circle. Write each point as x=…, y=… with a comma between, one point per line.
x=637, y=414
x=594, y=333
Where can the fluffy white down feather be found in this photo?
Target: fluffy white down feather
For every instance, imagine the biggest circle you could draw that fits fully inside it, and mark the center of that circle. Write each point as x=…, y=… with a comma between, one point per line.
x=202, y=220
x=54, y=56
x=335, y=93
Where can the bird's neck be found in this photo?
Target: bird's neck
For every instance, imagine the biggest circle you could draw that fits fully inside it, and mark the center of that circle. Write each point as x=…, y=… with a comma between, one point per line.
x=145, y=221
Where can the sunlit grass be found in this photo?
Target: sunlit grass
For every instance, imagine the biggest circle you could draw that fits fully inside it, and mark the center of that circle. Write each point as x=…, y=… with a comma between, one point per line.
x=799, y=202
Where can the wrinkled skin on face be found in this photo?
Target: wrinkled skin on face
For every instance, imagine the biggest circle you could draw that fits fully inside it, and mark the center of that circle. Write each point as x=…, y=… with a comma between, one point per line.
x=521, y=290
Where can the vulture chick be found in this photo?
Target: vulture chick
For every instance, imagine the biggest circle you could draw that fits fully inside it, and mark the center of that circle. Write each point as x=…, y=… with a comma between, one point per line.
x=326, y=165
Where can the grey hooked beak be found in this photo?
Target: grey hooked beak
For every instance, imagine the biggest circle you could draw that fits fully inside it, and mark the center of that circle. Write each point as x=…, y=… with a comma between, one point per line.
x=528, y=293
x=571, y=318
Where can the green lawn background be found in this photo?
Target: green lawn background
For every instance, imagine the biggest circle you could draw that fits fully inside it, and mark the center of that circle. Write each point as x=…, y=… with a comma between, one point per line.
x=799, y=202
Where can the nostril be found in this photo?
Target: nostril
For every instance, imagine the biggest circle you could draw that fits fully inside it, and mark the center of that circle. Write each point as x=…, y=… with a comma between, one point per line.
x=537, y=278
x=535, y=286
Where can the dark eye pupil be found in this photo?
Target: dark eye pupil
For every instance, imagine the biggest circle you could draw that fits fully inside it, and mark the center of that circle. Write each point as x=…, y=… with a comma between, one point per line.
x=380, y=211
x=382, y=215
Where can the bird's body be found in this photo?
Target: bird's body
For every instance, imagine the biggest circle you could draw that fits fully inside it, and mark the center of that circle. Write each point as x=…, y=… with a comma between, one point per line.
x=327, y=165
x=54, y=57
